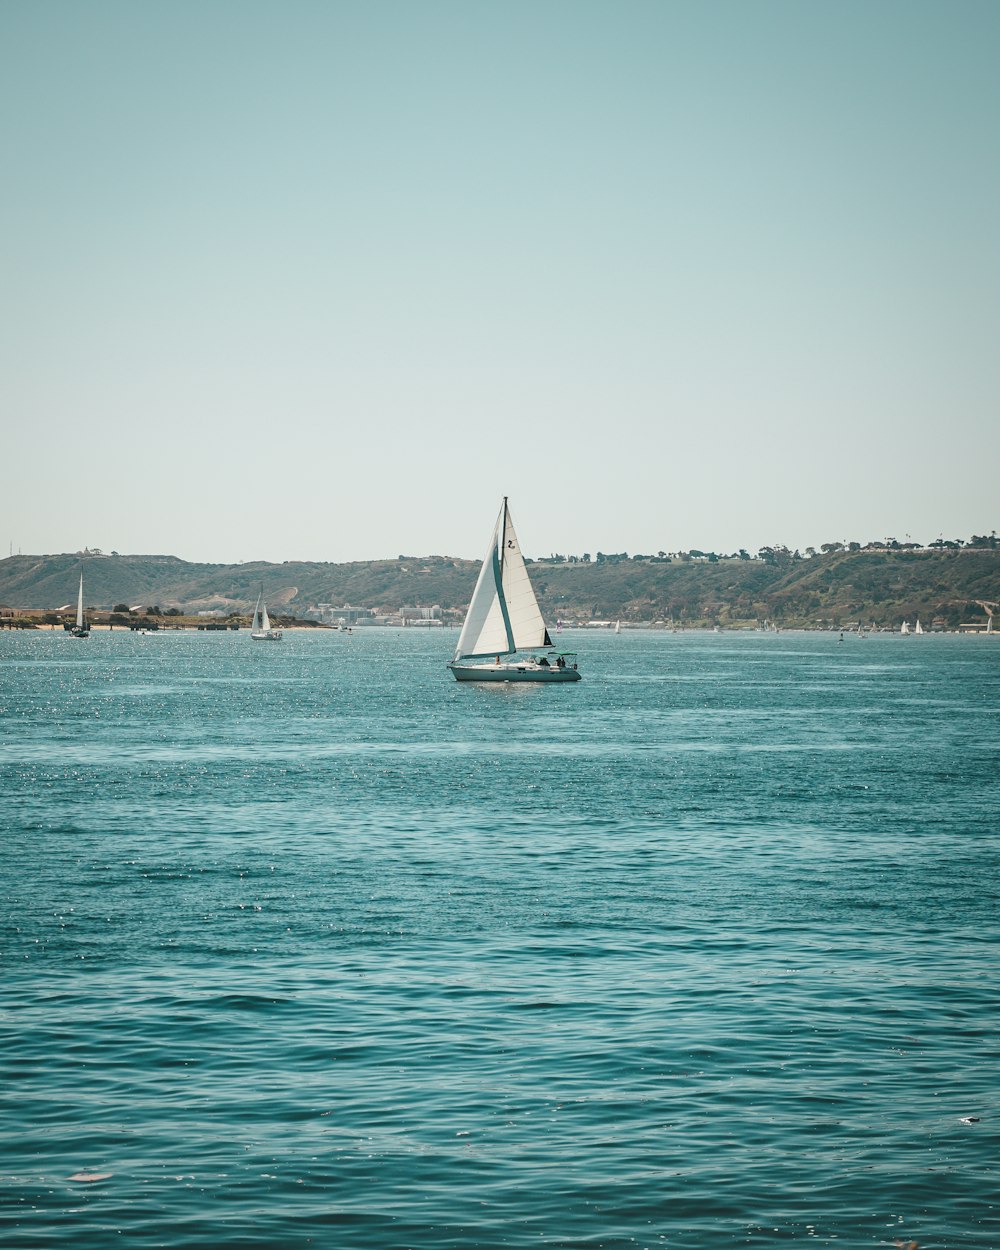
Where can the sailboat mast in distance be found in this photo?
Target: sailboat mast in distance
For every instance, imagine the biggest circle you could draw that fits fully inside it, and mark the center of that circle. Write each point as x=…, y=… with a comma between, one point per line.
x=82, y=627
x=260, y=626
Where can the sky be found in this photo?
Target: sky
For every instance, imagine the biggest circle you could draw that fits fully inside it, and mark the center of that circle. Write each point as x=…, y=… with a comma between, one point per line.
x=326, y=280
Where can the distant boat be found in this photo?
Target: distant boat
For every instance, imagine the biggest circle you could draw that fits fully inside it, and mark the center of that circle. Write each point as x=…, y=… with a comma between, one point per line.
x=504, y=630
x=905, y=627
x=260, y=627
x=618, y=627
x=82, y=627
x=919, y=628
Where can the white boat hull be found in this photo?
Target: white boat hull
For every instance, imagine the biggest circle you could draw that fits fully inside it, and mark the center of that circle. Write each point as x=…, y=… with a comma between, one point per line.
x=512, y=672
x=267, y=635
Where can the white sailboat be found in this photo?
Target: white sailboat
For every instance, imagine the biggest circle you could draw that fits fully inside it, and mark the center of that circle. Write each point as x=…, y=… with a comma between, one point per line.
x=82, y=627
x=504, y=637
x=905, y=627
x=260, y=627
x=919, y=629
x=618, y=627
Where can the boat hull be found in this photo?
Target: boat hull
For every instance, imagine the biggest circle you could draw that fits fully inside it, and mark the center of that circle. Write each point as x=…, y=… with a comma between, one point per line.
x=512, y=672
x=270, y=635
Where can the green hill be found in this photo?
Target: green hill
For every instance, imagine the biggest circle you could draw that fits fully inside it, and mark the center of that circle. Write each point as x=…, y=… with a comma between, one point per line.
x=832, y=588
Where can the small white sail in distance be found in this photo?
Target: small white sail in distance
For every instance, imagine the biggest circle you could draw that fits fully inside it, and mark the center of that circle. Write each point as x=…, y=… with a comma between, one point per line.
x=79, y=606
x=261, y=620
x=503, y=616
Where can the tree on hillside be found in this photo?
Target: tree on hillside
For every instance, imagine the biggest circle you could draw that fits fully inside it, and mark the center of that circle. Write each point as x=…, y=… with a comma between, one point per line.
x=776, y=556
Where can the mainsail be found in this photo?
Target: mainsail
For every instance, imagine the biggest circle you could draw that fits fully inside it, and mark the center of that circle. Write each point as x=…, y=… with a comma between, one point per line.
x=255, y=623
x=503, y=616
x=79, y=606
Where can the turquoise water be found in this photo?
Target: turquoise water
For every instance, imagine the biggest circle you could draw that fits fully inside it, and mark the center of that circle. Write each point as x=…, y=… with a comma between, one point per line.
x=308, y=944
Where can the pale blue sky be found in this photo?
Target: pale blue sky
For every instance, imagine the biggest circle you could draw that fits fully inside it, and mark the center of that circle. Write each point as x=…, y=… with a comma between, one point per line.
x=324, y=280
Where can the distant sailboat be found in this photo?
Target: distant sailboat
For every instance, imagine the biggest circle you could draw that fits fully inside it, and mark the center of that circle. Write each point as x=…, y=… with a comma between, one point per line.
x=260, y=628
x=618, y=627
x=82, y=627
x=504, y=622
x=919, y=628
x=905, y=627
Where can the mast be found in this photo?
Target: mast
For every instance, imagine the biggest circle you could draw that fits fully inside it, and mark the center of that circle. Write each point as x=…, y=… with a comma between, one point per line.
x=501, y=597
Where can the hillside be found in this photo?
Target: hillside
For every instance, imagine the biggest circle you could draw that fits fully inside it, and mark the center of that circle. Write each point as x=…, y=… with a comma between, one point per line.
x=832, y=588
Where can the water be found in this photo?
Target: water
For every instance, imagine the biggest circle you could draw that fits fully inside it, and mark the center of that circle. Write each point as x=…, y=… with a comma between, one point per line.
x=308, y=944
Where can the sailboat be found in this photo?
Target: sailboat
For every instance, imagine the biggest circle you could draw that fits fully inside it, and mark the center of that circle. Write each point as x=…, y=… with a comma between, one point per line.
x=905, y=627
x=618, y=627
x=260, y=627
x=82, y=627
x=919, y=628
x=504, y=632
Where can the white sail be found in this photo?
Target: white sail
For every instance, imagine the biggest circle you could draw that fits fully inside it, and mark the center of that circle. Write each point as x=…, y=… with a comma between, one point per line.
x=905, y=627
x=919, y=629
x=79, y=606
x=503, y=616
x=265, y=620
x=255, y=623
